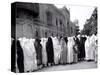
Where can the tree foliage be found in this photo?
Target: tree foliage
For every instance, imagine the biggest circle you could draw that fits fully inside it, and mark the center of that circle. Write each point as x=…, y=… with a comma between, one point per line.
x=90, y=26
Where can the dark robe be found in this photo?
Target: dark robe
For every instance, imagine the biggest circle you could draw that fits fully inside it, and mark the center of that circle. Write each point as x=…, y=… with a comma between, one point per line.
x=20, y=57
x=75, y=46
x=77, y=42
x=50, y=51
x=13, y=56
x=38, y=48
x=82, y=42
x=66, y=40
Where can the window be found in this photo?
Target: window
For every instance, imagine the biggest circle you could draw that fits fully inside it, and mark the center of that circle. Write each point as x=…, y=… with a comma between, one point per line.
x=49, y=18
x=36, y=33
x=60, y=22
x=71, y=30
x=45, y=34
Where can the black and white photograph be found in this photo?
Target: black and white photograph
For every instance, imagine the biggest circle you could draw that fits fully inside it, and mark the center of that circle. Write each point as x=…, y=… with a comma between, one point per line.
x=49, y=37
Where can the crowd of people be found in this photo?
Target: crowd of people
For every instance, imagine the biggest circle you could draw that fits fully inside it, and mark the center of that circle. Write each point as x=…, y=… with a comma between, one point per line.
x=29, y=55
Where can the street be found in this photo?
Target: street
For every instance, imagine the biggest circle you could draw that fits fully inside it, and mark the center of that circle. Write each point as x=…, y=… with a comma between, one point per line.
x=79, y=65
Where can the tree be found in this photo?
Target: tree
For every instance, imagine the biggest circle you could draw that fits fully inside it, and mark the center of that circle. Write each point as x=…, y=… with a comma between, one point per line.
x=90, y=26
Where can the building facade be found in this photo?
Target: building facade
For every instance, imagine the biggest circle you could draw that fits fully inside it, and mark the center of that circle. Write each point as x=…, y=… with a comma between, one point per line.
x=40, y=20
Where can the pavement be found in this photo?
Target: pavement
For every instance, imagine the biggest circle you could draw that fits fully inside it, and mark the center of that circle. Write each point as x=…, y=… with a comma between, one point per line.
x=74, y=66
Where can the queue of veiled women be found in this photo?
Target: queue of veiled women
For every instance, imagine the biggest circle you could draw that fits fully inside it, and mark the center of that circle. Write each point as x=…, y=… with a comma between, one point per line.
x=34, y=54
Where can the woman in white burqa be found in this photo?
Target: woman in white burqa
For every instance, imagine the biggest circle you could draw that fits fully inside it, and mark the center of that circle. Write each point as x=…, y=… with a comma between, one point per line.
x=87, y=49
x=63, y=55
x=30, y=63
x=44, y=54
x=90, y=47
x=70, y=50
x=57, y=49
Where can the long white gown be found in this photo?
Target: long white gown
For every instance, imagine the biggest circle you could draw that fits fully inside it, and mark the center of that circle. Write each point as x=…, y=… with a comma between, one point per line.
x=63, y=53
x=34, y=65
x=30, y=62
x=92, y=47
x=96, y=51
x=44, y=53
x=70, y=50
x=87, y=49
x=57, y=50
